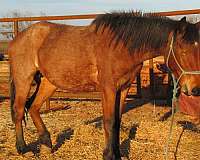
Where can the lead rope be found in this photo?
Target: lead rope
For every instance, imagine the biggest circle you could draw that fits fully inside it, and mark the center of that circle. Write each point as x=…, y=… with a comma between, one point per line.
x=174, y=102
x=175, y=91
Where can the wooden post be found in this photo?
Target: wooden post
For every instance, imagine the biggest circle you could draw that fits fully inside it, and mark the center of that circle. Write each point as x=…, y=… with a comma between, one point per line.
x=151, y=74
x=16, y=28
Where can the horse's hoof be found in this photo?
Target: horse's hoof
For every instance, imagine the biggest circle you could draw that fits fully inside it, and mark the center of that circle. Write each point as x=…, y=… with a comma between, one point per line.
x=21, y=148
x=108, y=155
x=45, y=139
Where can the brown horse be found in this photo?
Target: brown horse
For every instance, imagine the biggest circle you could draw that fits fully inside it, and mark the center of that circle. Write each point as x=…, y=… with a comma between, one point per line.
x=105, y=55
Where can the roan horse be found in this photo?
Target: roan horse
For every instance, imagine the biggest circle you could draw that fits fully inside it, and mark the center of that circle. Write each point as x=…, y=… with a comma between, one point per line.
x=105, y=55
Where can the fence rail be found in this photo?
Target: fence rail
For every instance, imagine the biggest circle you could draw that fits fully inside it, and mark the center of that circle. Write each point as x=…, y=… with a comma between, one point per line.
x=91, y=16
x=84, y=16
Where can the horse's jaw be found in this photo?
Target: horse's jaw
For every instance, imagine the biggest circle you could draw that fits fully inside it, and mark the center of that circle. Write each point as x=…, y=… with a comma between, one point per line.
x=190, y=105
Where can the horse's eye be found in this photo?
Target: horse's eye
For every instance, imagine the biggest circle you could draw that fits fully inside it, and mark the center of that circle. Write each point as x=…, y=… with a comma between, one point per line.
x=196, y=43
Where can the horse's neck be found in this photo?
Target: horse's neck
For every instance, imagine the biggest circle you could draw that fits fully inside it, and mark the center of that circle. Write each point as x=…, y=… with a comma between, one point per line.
x=146, y=55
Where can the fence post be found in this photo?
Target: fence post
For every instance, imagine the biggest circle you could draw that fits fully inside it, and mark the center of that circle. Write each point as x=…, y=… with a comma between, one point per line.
x=16, y=28
x=48, y=104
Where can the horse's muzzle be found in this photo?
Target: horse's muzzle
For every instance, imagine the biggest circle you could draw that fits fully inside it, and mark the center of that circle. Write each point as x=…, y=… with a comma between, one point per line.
x=190, y=92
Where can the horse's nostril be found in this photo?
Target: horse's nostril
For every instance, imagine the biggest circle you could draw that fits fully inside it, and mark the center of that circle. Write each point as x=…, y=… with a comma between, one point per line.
x=196, y=91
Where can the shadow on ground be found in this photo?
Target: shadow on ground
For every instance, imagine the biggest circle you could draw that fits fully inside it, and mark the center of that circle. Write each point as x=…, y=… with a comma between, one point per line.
x=35, y=147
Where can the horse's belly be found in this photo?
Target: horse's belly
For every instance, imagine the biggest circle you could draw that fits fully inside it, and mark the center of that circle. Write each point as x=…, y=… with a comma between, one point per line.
x=80, y=87
x=81, y=80
x=76, y=85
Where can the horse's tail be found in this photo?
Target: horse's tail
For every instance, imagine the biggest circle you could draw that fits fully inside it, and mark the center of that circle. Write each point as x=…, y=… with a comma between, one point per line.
x=37, y=79
x=12, y=96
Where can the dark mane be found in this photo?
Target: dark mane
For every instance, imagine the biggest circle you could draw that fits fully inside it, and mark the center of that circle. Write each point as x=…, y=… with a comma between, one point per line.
x=139, y=30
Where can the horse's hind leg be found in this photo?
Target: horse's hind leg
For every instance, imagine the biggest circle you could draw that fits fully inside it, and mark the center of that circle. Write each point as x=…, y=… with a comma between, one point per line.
x=46, y=89
x=19, y=103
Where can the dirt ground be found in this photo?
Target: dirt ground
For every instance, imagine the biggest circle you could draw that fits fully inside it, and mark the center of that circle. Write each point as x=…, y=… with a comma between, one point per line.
x=77, y=133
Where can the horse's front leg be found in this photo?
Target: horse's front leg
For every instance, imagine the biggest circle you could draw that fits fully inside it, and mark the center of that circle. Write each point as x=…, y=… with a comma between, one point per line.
x=112, y=119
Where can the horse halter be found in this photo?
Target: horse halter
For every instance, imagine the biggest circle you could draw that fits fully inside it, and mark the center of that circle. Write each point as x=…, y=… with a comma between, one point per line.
x=175, y=89
x=183, y=72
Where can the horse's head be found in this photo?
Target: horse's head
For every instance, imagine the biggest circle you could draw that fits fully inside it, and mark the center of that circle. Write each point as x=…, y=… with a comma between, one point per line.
x=184, y=61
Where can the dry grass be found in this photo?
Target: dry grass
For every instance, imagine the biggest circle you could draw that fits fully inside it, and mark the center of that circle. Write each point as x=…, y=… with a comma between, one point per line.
x=77, y=133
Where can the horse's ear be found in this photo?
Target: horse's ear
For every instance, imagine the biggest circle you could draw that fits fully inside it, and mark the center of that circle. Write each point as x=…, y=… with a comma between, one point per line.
x=182, y=25
x=183, y=20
